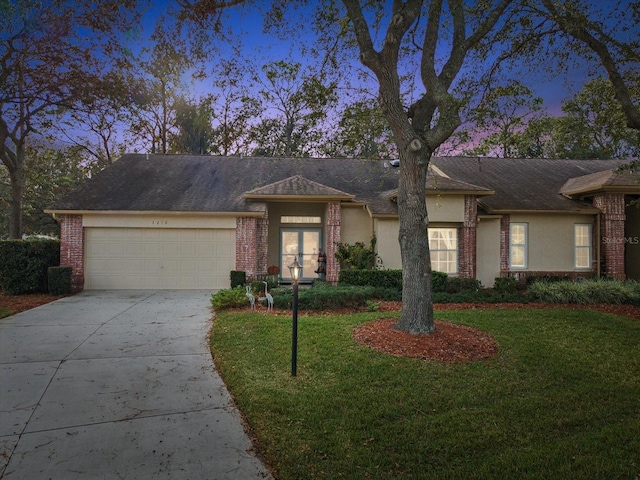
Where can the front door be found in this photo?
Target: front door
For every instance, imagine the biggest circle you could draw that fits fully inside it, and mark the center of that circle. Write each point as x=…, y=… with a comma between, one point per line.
x=303, y=243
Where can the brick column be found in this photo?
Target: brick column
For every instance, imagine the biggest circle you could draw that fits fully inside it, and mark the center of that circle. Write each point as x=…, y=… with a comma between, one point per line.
x=246, y=246
x=468, y=239
x=334, y=213
x=72, y=248
x=612, y=233
x=262, y=243
x=504, y=245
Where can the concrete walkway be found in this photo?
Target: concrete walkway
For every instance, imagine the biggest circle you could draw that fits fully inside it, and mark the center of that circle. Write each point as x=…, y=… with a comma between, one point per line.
x=117, y=385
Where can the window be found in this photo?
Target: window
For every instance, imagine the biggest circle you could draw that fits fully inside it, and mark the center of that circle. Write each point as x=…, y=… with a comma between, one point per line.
x=443, y=245
x=582, y=245
x=518, y=245
x=299, y=219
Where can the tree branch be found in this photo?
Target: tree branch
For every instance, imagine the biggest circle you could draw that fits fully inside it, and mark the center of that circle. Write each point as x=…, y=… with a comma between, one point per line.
x=577, y=29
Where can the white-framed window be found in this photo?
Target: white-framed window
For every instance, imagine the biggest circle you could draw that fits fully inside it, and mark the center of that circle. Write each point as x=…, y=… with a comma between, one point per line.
x=443, y=246
x=582, y=245
x=518, y=256
x=300, y=219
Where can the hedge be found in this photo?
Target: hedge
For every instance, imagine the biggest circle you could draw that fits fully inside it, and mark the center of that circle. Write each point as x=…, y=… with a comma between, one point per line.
x=24, y=264
x=388, y=279
x=59, y=280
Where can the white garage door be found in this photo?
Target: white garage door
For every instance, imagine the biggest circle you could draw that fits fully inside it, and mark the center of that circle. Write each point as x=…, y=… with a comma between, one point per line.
x=157, y=258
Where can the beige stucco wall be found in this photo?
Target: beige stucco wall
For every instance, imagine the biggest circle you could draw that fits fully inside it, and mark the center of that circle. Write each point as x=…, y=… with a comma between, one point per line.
x=161, y=220
x=386, y=230
x=356, y=225
x=445, y=208
x=550, y=240
x=488, y=251
x=632, y=242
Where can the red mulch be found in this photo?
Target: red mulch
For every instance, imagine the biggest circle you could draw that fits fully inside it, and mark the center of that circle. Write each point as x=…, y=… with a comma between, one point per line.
x=20, y=303
x=448, y=343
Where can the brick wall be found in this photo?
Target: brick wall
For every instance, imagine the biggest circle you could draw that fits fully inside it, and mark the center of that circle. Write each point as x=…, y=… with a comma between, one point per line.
x=504, y=245
x=334, y=213
x=612, y=206
x=467, y=247
x=262, y=243
x=246, y=246
x=72, y=248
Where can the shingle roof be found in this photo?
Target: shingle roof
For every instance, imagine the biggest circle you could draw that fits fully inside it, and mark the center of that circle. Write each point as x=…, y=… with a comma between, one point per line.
x=523, y=184
x=294, y=187
x=192, y=183
x=438, y=184
x=601, y=181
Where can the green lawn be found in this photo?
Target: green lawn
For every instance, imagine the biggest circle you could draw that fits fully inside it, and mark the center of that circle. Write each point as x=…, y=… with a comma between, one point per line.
x=561, y=400
x=5, y=312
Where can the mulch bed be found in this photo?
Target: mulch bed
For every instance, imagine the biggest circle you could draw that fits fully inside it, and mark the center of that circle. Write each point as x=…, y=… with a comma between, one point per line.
x=448, y=343
x=20, y=303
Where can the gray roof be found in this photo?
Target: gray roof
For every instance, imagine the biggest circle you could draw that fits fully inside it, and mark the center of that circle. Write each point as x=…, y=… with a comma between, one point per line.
x=523, y=184
x=607, y=180
x=194, y=183
x=295, y=187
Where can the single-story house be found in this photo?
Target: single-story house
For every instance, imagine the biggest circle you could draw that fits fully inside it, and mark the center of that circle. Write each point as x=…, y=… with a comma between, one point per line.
x=186, y=221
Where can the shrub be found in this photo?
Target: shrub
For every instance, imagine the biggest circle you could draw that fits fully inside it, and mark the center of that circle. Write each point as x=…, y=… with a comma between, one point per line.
x=486, y=295
x=59, y=279
x=459, y=284
x=587, y=291
x=505, y=285
x=379, y=278
x=357, y=256
x=531, y=279
x=324, y=297
x=24, y=264
x=439, y=280
x=388, y=279
x=230, y=298
x=238, y=278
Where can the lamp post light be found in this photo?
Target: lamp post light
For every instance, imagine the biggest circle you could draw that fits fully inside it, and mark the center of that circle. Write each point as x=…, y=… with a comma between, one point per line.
x=296, y=273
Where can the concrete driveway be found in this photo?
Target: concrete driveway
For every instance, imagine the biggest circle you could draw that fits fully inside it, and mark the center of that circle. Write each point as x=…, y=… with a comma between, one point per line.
x=117, y=385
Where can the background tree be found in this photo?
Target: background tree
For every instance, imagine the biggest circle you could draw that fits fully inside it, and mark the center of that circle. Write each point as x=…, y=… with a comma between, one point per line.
x=194, y=126
x=235, y=109
x=96, y=123
x=593, y=126
x=294, y=105
x=502, y=113
x=51, y=54
x=50, y=173
x=362, y=132
x=161, y=71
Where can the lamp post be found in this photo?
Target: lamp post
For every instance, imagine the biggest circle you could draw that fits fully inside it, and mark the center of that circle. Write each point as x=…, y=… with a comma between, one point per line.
x=296, y=272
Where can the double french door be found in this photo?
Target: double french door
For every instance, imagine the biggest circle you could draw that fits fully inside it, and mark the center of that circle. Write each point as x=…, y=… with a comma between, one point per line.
x=303, y=243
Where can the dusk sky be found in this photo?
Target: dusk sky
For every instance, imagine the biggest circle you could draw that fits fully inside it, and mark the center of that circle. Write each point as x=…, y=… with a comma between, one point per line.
x=247, y=25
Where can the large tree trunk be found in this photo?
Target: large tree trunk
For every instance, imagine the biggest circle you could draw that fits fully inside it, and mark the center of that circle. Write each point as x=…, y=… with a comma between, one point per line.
x=417, y=305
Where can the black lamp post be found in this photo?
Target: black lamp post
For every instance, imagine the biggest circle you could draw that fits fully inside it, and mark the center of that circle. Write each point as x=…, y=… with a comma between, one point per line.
x=296, y=273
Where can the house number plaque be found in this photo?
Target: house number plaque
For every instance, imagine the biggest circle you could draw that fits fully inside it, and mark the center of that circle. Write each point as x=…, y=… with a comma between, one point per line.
x=159, y=222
